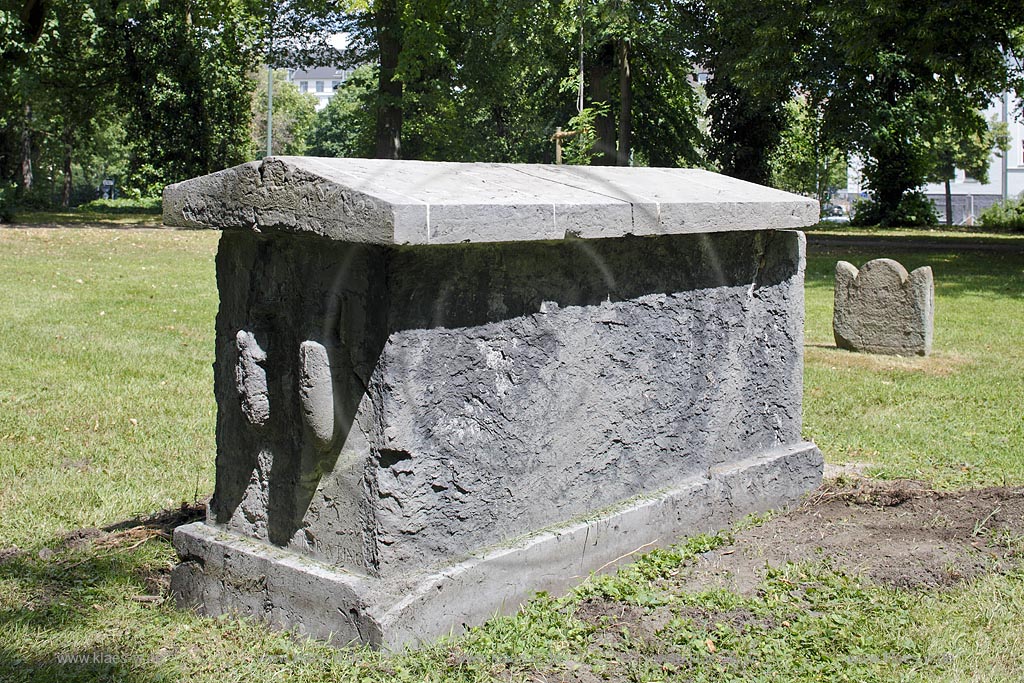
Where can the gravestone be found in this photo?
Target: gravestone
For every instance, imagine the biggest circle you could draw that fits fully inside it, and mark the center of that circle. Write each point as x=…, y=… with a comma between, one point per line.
x=444, y=387
x=883, y=309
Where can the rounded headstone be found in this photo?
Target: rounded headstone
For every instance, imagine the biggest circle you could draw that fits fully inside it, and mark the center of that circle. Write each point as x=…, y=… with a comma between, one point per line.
x=883, y=309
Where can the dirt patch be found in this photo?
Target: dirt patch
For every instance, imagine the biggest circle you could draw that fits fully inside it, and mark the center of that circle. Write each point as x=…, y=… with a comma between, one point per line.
x=8, y=554
x=611, y=617
x=124, y=535
x=939, y=364
x=898, y=533
x=164, y=521
x=81, y=538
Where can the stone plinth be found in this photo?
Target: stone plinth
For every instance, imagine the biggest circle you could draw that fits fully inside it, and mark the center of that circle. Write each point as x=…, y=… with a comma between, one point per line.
x=883, y=309
x=444, y=387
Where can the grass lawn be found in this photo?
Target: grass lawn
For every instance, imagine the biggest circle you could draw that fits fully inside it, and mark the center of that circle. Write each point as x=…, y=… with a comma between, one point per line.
x=116, y=213
x=107, y=412
x=955, y=418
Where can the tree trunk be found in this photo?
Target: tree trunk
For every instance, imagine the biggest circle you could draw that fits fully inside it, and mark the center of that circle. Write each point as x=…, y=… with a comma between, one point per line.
x=26, y=151
x=389, y=87
x=949, y=204
x=604, y=124
x=625, y=146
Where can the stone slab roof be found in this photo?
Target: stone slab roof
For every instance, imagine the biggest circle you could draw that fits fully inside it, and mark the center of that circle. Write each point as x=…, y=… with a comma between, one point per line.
x=423, y=202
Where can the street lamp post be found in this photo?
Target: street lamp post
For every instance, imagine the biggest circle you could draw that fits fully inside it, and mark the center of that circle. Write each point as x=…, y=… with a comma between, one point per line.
x=270, y=110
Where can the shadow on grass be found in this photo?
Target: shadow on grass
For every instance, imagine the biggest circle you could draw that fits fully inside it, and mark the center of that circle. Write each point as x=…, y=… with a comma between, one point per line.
x=57, y=604
x=956, y=274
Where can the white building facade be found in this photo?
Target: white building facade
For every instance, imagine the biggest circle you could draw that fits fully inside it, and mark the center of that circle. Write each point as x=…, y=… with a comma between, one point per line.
x=321, y=82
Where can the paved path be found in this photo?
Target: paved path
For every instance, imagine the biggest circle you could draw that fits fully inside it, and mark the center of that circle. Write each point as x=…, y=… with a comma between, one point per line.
x=821, y=243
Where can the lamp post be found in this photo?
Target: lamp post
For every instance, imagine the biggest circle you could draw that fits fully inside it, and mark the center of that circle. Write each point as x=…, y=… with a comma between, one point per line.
x=1006, y=153
x=270, y=110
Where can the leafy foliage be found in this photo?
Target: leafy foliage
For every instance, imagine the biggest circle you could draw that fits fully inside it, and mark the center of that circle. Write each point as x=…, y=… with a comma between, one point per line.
x=746, y=115
x=147, y=92
x=294, y=117
x=188, y=115
x=1004, y=216
x=805, y=160
x=890, y=76
x=490, y=81
x=913, y=209
x=344, y=128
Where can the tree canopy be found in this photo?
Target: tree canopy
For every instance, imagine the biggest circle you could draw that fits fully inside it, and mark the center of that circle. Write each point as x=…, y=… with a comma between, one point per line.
x=161, y=90
x=889, y=77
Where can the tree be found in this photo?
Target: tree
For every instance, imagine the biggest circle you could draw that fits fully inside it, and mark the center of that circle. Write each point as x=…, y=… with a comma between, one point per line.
x=293, y=33
x=746, y=111
x=636, y=82
x=74, y=76
x=888, y=77
x=184, y=80
x=53, y=81
x=805, y=161
x=490, y=80
x=951, y=150
x=294, y=117
x=21, y=27
x=345, y=127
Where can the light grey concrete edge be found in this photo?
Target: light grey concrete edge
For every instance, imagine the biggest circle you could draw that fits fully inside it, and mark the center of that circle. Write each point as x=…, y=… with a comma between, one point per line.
x=224, y=572
x=387, y=202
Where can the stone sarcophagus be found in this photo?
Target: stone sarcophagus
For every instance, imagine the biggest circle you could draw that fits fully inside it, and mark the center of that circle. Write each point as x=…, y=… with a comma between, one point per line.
x=444, y=387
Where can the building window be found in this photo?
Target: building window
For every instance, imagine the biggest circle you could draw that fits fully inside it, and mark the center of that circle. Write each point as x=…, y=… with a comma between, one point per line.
x=335, y=85
x=303, y=86
x=319, y=86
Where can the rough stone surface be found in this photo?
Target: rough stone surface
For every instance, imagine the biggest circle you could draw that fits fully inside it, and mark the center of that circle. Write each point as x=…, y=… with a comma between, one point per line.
x=883, y=309
x=222, y=572
x=251, y=379
x=496, y=388
x=419, y=202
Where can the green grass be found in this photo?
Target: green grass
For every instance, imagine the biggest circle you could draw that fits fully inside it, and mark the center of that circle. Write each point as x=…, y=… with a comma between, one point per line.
x=950, y=233
x=108, y=213
x=907, y=238
x=115, y=206
x=106, y=404
x=955, y=418
x=106, y=412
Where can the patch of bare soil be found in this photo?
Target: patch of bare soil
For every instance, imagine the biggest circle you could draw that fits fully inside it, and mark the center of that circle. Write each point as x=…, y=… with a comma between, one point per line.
x=939, y=364
x=898, y=533
x=124, y=535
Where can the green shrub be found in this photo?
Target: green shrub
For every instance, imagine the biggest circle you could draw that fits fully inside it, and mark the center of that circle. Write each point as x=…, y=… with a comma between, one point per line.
x=914, y=209
x=143, y=205
x=1004, y=216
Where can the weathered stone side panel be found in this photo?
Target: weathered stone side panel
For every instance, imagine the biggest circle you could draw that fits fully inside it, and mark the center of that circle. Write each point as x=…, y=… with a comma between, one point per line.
x=527, y=385
x=317, y=310
x=482, y=391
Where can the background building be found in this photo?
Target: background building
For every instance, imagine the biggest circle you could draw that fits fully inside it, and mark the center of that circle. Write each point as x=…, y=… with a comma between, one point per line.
x=319, y=81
